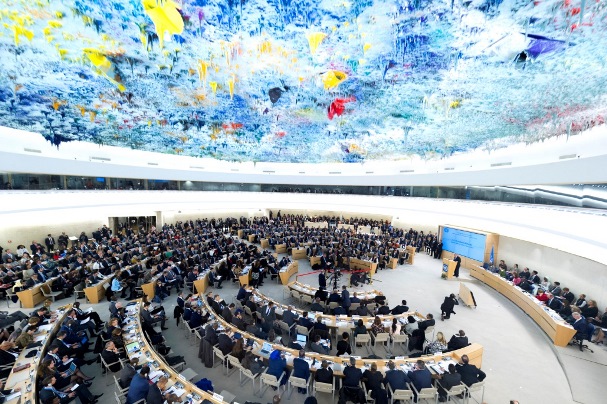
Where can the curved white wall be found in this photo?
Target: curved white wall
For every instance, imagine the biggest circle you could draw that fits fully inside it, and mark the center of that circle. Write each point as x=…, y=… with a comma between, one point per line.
x=576, y=234
x=559, y=160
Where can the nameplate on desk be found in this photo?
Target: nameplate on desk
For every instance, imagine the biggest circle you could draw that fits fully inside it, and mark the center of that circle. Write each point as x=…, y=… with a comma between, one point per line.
x=398, y=358
x=218, y=396
x=182, y=377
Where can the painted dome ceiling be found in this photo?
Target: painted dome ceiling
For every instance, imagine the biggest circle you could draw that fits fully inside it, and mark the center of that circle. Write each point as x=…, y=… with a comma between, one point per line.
x=303, y=80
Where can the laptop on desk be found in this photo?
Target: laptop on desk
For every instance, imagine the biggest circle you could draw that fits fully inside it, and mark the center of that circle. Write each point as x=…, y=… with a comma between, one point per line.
x=301, y=339
x=266, y=349
x=132, y=347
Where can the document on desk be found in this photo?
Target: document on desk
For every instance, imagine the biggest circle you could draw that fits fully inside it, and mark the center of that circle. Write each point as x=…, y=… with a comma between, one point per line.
x=155, y=374
x=40, y=338
x=12, y=396
x=176, y=391
x=46, y=327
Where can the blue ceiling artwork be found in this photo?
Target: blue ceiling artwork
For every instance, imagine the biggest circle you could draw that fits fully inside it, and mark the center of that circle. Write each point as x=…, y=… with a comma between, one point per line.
x=303, y=81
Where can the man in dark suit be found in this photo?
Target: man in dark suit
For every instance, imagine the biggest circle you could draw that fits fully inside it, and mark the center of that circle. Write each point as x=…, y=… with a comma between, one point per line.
x=155, y=392
x=301, y=369
x=354, y=298
x=352, y=374
x=127, y=373
x=268, y=313
x=319, y=325
x=50, y=243
x=324, y=374
x=554, y=303
x=322, y=279
x=335, y=296
x=343, y=346
x=420, y=376
x=568, y=295
x=289, y=317
x=458, y=341
x=397, y=379
x=363, y=310
x=458, y=262
x=400, y=309
x=447, y=381
x=238, y=321
x=48, y=394
x=210, y=334
x=305, y=321
x=316, y=306
x=339, y=311
x=581, y=326
x=428, y=322
x=225, y=343
x=111, y=357
x=383, y=309
x=148, y=318
x=227, y=312
x=470, y=373
x=321, y=294
x=345, y=298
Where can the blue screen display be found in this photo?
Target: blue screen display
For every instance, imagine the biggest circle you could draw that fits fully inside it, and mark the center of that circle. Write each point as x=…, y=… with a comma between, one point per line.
x=464, y=243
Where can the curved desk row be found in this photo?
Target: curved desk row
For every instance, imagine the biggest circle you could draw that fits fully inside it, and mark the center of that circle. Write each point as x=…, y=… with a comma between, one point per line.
x=26, y=379
x=311, y=291
x=337, y=363
x=335, y=322
x=559, y=331
x=133, y=333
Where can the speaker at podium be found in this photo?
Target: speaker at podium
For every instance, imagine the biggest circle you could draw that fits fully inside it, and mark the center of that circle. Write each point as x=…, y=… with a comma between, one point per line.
x=448, y=268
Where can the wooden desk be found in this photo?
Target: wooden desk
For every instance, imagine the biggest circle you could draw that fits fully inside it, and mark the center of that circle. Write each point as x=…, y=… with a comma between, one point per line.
x=314, y=260
x=201, y=285
x=298, y=253
x=281, y=248
x=466, y=295
x=22, y=378
x=130, y=335
x=265, y=243
x=251, y=238
x=150, y=288
x=393, y=263
x=292, y=269
x=245, y=279
x=355, y=263
x=96, y=293
x=30, y=298
x=559, y=331
x=240, y=233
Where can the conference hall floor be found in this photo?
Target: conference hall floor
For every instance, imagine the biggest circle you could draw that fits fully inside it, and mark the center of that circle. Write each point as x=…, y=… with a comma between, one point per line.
x=520, y=361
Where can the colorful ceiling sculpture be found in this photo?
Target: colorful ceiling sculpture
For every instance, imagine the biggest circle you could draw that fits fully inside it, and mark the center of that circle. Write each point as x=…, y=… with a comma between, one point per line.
x=303, y=80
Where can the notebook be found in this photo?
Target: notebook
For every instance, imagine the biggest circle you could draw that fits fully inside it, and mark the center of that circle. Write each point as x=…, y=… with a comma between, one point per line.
x=302, y=339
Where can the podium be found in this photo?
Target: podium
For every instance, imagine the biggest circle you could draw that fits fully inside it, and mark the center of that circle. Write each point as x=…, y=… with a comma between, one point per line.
x=449, y=267
x=411, y=250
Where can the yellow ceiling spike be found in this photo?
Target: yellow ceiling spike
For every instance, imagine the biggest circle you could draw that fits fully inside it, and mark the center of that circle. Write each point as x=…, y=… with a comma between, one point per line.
x=314, y=40
x=165, y=17
x=333, y=78
x=213, y=85
x=366, y=47
x=231, y=87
